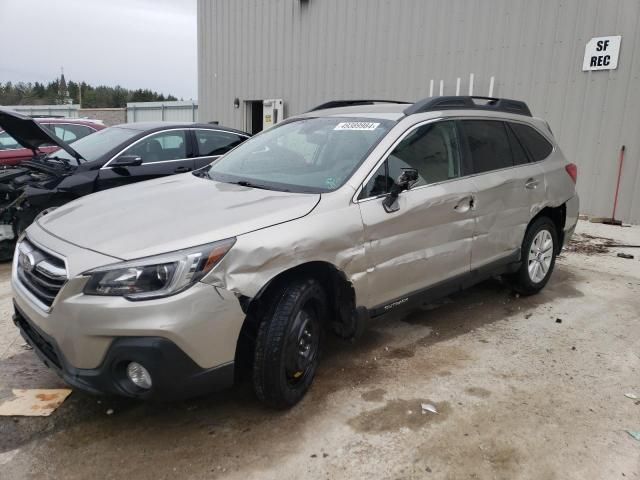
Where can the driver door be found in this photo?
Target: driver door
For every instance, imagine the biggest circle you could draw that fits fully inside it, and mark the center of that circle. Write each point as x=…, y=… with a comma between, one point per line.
x=162, y=153
x=427, y=241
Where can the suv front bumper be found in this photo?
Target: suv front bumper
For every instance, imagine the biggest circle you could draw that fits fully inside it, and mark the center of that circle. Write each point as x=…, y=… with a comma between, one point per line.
x=174, y=375
x=187, y=341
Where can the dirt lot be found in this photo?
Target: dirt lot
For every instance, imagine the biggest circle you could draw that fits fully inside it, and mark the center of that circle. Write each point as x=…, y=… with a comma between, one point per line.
x=524, y=388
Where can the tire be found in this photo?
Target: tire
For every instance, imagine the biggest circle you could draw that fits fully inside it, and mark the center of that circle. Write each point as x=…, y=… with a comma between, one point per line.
x=538, y=257
x=288, y=343
x=6, y=250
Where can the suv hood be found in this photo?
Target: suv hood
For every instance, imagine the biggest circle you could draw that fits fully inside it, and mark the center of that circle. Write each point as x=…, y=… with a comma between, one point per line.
x=29, y=134
x=170, y=213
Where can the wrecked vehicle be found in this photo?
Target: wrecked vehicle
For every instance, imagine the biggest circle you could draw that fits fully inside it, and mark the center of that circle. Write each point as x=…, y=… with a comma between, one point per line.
x=320, y=223
x=66, y=129
x=109, y=158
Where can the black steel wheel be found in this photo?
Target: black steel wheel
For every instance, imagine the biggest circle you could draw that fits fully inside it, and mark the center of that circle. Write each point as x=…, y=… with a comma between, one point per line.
x=288, y=343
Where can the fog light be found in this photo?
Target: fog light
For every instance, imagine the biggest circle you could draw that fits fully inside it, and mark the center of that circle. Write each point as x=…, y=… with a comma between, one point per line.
x=139, y=375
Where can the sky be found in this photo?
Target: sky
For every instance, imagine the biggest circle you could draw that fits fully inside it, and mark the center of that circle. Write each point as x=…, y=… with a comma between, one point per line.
x=133, y=43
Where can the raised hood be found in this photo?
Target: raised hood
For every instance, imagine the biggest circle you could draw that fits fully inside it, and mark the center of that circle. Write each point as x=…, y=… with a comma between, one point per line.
x=170, y=214
x=29, y=134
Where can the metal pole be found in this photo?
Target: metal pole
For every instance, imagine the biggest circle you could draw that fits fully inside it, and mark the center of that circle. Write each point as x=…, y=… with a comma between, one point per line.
x=615, y=199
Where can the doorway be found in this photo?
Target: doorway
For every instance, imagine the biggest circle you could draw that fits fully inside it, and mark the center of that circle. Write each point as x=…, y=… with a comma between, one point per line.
x=253, y=116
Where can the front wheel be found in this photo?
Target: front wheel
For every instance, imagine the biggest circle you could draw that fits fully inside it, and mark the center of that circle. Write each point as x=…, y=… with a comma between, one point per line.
x=539, y=249
x=288, y=343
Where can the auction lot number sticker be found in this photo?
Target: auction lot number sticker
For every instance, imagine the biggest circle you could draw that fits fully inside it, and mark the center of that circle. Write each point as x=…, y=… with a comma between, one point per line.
x=356, y=126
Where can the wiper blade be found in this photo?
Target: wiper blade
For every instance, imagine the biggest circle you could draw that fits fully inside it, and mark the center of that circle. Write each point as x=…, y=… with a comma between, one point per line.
x=66, y=161
x=246, y=183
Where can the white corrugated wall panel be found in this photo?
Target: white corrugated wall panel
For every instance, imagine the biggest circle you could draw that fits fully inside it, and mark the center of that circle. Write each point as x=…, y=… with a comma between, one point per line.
x=308, y=52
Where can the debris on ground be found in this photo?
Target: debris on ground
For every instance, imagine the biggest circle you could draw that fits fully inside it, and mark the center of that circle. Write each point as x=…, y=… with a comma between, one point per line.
x=528, y=315
x=632, y=396
x=589, y=244
x=33, y=402
x=635, y=435
x=110, y=411
x=558, y=320
x=427, y=407
x=26, y=346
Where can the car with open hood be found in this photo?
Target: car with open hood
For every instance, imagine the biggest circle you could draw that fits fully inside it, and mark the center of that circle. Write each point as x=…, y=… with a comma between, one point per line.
x=331, y=218
x=68, y=130
x=111, y=157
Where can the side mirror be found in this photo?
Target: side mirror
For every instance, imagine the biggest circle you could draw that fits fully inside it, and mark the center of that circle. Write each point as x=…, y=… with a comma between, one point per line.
x=406, y=180
x=127, y=161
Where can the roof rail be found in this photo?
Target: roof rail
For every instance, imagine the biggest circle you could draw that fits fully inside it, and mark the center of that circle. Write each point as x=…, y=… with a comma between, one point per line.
x=351, y=103
x=464, y=103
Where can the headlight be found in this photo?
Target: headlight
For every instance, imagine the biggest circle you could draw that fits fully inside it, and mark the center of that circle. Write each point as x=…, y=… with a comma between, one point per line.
x=158, y=276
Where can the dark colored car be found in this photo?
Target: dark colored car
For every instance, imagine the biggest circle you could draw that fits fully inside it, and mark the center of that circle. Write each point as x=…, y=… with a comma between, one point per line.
x=114, y=156
x=66, y=129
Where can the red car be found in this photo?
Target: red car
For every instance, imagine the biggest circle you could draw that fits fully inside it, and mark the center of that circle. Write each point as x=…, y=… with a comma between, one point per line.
x=66, y=129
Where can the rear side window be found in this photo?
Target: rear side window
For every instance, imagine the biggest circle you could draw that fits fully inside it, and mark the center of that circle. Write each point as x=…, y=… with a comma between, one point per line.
x=488, y=144
x=538, y=147
x=517, y=150
x=214, y=142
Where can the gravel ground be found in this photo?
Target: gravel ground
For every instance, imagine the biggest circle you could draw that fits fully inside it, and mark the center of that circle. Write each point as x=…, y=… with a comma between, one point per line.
x=524, y=388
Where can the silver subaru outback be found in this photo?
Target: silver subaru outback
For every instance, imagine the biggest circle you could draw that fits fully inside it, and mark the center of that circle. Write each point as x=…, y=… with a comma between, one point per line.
x=168, y=288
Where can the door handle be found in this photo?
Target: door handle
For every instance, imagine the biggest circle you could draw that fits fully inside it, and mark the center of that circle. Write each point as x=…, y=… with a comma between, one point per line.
x=531, y=184
x=466, y=204
x=182, y=170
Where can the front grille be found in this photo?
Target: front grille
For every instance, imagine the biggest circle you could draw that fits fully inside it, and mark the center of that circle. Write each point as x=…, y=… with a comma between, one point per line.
x=40, y=272
x=37, y=340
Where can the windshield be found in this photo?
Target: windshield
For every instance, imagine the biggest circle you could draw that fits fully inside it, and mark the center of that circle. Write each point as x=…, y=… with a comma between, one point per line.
x=307, y=155
x=93, y=146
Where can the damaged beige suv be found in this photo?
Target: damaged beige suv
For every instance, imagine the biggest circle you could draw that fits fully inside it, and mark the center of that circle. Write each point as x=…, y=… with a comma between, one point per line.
x=164, y=289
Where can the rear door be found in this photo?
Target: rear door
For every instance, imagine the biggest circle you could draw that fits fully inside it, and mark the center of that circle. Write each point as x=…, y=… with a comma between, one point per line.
x=163, y=153
x=428, y=239
x=509, y=188
x=211, y=144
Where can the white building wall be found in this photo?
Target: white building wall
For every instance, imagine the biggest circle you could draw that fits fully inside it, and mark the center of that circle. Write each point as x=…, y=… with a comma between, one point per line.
x=310, y=51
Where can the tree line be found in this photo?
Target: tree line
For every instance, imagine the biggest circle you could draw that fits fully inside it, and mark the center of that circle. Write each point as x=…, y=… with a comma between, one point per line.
x=59, y=92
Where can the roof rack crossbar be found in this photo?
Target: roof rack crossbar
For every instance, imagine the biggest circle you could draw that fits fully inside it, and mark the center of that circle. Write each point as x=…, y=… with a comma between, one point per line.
x=469, y=102
x=351, y=103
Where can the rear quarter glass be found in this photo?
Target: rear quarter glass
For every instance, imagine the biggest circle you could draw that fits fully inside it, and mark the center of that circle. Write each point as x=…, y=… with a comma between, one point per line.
x=538, y=147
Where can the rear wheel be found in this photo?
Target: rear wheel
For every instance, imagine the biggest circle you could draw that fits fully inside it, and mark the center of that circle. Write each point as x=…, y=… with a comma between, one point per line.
x=538, y=257
x=288, y=343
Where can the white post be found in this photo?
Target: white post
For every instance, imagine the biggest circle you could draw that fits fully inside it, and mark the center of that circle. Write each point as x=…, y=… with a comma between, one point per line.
x=431, y=88
x=491, y=85
x=458, y=86
x=441, y=87
x=471, y=84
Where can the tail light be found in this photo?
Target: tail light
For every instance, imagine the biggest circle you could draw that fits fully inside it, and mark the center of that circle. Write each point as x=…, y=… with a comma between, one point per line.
x=572, y=170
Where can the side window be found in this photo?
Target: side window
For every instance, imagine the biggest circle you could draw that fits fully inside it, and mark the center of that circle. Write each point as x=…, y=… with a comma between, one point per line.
x=74, y=132
x=538, y=147
x=160, y=147
x=63, y=133
x=431, y=149
x=212, y=142
x=7, y=142
x=488, y=144
x=519, y=155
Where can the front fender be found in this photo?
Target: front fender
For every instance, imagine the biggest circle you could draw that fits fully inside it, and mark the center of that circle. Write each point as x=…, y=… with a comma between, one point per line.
x=334, y=236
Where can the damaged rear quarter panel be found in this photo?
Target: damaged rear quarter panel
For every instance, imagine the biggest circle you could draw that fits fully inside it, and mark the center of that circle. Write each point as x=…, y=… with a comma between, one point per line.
x=331, y=233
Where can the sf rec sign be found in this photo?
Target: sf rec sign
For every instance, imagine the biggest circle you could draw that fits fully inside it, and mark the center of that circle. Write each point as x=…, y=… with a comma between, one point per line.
x=601, y=53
